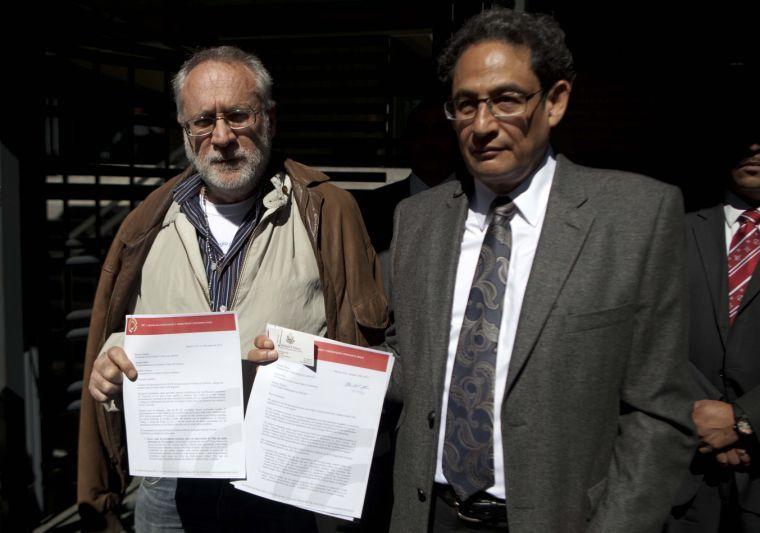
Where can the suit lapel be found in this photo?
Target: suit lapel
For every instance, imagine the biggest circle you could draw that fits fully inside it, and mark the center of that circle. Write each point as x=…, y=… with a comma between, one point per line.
x=564, y=231
x=709, y=235
x=445, y=239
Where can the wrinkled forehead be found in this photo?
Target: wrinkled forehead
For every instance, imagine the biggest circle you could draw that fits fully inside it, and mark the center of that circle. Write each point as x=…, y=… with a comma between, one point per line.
x=216, y=86
x=494, y=64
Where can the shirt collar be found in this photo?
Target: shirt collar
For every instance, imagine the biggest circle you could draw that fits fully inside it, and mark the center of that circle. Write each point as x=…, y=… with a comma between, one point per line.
x=530, y=196
x=187, y=189
x=190, y=189
x=733, y=207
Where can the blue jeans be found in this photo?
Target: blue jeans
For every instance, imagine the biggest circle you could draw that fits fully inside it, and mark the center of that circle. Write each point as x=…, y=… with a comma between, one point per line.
x=210, y=505
x=156, y=510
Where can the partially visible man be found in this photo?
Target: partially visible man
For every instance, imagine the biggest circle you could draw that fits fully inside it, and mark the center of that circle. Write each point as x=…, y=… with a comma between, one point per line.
x=431, y=153
x=722, y=491
x=240, y=230
x=540, y=315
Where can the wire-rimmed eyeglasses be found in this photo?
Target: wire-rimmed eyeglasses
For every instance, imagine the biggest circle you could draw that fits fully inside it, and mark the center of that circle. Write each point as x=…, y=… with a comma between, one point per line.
x=508, y=104
x=237, y=119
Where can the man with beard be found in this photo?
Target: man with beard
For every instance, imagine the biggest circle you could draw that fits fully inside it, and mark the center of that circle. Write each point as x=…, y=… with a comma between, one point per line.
x=242, y=230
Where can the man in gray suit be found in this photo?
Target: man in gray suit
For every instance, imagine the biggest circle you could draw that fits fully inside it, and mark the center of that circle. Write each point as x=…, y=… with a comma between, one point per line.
x=540, y=317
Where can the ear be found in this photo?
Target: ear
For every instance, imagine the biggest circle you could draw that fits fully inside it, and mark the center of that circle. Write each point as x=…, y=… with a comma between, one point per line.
x=557, y=99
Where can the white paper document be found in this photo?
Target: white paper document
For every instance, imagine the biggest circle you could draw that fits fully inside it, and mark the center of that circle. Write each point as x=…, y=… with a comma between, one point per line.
x=184, y=414
x=310, y=431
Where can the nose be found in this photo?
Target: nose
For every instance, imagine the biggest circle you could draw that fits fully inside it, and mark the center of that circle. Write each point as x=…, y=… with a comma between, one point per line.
x=222, y=134
x=484, y=121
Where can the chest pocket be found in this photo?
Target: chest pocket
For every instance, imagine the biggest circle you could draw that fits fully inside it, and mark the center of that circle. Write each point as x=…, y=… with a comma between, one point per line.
x=598, y=319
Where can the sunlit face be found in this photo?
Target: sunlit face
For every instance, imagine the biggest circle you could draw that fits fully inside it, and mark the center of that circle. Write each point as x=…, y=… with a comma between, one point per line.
x=231, y=162
x=745, y=175
x=500, y=153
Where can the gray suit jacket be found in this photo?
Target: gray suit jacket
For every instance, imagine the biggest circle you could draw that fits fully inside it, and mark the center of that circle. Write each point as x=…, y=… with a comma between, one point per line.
x=595, y=420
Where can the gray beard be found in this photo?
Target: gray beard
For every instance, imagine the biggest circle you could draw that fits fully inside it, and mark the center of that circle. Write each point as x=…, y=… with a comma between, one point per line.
x=248, y=176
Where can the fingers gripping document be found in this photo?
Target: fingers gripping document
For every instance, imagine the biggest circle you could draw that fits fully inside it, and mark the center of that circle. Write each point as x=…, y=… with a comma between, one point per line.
x=311, y=430
x=184, y=414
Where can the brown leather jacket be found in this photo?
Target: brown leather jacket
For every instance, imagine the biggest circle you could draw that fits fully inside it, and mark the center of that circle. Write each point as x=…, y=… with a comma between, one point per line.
x=355, y=308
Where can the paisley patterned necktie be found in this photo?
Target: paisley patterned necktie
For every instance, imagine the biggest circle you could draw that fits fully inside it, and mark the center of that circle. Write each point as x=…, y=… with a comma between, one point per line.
x=468, y=442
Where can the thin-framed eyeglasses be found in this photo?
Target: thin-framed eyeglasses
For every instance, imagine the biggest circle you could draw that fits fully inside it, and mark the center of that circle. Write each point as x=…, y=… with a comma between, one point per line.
x=237, y=118
x=505, y=105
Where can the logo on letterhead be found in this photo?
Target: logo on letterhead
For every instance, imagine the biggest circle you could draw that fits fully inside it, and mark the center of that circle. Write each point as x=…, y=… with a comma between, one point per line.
x=131, y=325
x=290, y=339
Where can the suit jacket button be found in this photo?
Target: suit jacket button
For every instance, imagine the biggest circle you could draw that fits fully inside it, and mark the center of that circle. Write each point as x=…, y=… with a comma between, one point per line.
x=421, y=495
x=431, y=419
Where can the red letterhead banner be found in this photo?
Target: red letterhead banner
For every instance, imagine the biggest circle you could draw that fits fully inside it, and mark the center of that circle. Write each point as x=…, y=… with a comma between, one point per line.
x=162, y=325
x=351, y=355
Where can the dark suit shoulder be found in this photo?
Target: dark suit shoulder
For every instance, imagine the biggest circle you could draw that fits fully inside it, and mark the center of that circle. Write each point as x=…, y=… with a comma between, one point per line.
x=706, y=213
x=708, y=219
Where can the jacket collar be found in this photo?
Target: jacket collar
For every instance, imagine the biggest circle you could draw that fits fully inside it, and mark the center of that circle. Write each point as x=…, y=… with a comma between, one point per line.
x=150, y=213
x=302, y=174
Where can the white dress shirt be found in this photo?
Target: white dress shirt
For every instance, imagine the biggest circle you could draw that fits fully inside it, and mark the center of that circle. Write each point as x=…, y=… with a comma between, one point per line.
x=530, y=197
x=733, y=207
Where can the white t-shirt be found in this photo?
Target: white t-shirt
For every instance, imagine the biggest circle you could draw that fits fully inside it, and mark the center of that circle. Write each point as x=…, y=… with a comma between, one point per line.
x=225, y=219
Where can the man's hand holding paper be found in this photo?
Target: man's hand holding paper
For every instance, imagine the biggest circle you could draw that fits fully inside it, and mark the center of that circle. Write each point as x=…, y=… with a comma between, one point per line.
x=107, y=374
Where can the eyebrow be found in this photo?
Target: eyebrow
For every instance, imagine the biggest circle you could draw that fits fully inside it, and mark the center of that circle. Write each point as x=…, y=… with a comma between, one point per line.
x=224, y=110
x=499, y=89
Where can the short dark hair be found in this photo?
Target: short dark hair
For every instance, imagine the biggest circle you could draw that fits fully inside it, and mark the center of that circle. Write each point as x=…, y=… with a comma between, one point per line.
x=550, y=57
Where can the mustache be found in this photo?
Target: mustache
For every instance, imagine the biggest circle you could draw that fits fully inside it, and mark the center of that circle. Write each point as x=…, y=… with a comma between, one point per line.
x=219, y=158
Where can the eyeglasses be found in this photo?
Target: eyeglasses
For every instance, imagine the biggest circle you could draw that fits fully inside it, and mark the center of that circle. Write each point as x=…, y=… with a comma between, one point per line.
x=237, y=119
x=502, y=106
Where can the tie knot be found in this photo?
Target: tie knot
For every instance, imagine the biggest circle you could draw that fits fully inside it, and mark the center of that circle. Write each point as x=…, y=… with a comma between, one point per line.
x=503, y=207
x=750, y=215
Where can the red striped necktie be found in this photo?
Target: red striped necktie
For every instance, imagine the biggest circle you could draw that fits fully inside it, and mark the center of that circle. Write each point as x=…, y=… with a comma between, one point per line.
x=743, y=257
